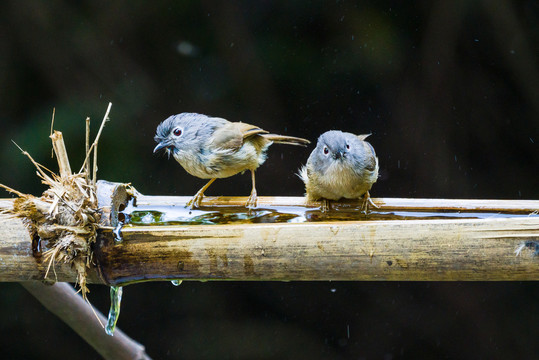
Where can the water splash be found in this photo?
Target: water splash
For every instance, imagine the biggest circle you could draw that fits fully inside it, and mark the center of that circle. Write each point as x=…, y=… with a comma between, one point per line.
x=176, y=282
x=117, y=232
x=114, y=312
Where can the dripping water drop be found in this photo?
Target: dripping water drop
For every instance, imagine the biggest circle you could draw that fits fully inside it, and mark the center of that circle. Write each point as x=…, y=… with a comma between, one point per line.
x=114, y=312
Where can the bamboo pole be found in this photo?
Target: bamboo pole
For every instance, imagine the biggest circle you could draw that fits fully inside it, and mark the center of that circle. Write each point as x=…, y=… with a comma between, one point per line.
x=433, y=250
x=448, y=249
x=63, y=301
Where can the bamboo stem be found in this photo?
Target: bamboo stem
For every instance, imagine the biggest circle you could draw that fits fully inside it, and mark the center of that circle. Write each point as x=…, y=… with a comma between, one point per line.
x=61, y=153
x=447, y=249
x=62, y=300
x=403, y=250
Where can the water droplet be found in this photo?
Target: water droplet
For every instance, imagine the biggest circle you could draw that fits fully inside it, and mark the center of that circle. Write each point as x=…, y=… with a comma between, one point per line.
x=114, y=312
x=176, y=282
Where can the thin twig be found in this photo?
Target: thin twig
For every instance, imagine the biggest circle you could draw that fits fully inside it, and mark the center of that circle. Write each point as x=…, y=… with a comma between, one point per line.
x=105, y=118
x=52, y=127
x=65, y=202
x=7, y=188
x=52, y=254
x=95, y=312
x=94, y=176
x=87, y=148
x=37, y=165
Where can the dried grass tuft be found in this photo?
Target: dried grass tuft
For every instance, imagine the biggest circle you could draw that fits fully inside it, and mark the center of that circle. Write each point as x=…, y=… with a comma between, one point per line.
x=66, y=215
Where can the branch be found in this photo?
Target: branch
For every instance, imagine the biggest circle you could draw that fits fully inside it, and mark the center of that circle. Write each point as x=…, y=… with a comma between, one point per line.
x=62, y=300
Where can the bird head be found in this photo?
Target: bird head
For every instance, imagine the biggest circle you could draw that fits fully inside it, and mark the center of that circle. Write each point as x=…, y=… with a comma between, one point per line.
x=177, y=132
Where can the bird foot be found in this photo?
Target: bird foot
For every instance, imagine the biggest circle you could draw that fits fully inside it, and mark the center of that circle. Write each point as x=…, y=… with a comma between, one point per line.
x=325, y=206
x=195, y=200
x=251, y=201
x=366, y=202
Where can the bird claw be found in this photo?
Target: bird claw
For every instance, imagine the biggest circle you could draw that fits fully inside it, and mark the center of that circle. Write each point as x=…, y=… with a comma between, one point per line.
x=366, y=201
x=195, y=200
x=251, y=201
x=325, y=205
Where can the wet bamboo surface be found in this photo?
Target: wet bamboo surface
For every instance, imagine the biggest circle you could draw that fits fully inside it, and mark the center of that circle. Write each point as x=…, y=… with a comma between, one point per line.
x=470, y=249
x=418, y=250
x=384, y=204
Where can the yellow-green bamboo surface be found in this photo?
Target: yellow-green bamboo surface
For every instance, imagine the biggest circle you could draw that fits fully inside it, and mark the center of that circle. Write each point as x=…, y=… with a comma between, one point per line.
x=418, y=250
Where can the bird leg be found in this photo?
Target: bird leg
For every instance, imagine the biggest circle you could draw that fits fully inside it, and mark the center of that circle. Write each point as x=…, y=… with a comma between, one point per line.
x=251, y=201
x=195, y=201
x=325, y=205
x=366, y=201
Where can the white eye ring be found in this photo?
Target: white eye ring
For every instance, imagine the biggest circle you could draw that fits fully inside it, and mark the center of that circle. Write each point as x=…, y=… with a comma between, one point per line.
x=326, y=150
x=177, y=132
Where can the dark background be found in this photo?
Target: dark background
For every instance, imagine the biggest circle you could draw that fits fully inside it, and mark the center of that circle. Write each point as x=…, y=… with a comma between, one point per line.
x=448, y=89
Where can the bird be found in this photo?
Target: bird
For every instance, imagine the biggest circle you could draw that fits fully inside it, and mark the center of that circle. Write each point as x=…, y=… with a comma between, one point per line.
x=213, y=148
x=342, y=165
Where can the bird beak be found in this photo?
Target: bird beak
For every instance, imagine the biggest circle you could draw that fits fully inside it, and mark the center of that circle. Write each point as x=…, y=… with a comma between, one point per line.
x=161, y=145
x=338, y=155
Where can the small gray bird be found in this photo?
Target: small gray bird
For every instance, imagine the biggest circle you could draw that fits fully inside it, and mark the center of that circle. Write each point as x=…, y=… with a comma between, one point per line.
x=342, y=165
x=212, y=148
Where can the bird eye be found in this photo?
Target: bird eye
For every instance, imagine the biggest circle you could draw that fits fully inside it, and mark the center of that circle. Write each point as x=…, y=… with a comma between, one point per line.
x=326, y=150
x=177, y=132
x=347, y=146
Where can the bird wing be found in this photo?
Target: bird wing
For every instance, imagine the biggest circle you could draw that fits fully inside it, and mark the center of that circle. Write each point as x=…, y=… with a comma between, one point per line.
x=248, y=130
x=371, y=161
x=232, y=135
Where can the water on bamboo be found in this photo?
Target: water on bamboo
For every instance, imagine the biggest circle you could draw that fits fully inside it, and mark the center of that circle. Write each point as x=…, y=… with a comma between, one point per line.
x=144, y=215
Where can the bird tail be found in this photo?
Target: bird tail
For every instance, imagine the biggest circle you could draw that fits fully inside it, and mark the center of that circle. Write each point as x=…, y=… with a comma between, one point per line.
x=282, y=139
